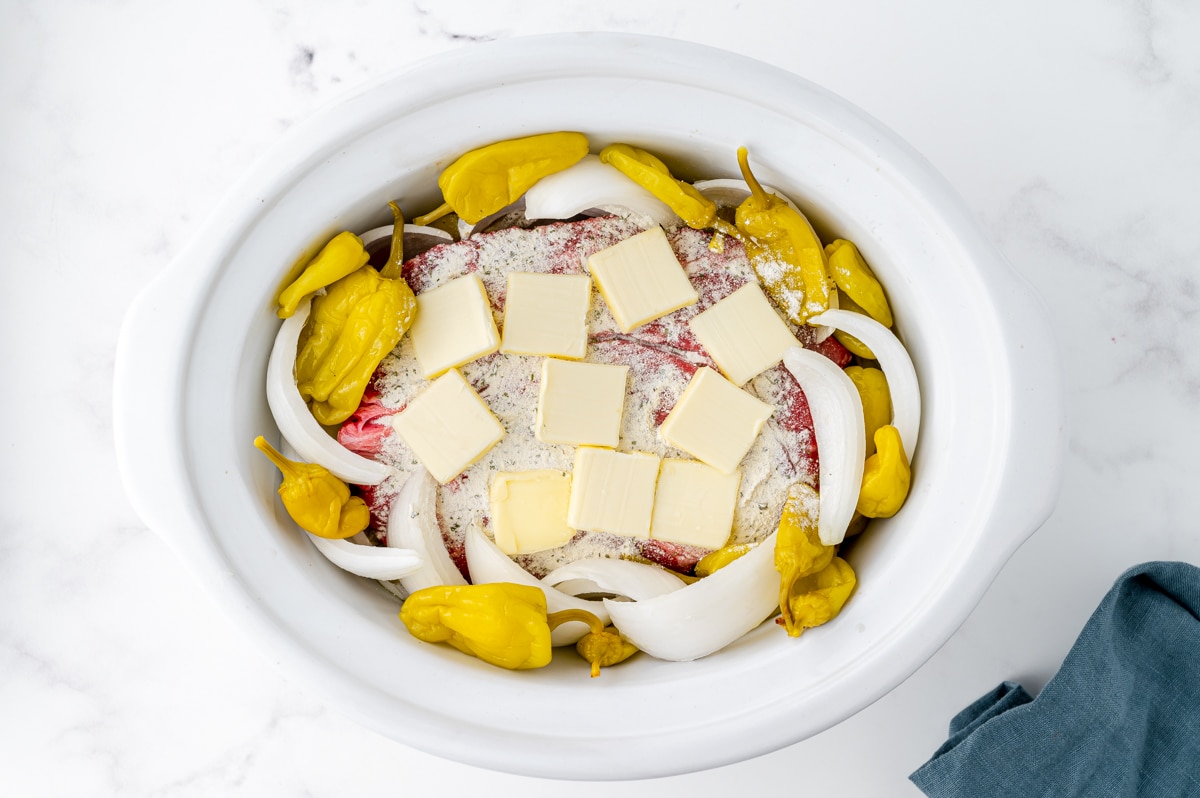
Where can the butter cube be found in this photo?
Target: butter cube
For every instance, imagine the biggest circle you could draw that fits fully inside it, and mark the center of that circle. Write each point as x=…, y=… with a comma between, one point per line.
x=580, y=403
x=448, y=426
x=715, y=421
x=743, y=333
x=529, y=510
x=546, y=314
x=694, y=504
x=612, y=491
x=453, y=326
x=641, y=279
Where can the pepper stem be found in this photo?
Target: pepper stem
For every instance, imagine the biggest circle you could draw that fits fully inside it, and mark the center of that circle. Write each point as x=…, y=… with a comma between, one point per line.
x=282, y=463
x=785, y=593
x=725, y=228
x=601, y=646
x=434, y=215
x=756, y=188
x=396, y=255
x=557, y=619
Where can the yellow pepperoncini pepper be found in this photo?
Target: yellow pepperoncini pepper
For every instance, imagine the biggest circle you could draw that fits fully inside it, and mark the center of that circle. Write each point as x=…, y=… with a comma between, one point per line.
x=602, y=646
x=776, y=234
x=847, y=340
x=715, y=560
x=395, y=262
x=501, y=623
x=342, y=255
x=876, y=400
x=487, y=179
x=886, y=476
x=855, y=278
x=643, y=168
x=506, y=625
x=315, y=499
x=351, y=328
x=799, y=551
x=819, y=597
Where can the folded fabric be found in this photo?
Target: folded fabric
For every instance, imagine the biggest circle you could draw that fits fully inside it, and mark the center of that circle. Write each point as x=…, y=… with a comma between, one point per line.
x=1120, y=718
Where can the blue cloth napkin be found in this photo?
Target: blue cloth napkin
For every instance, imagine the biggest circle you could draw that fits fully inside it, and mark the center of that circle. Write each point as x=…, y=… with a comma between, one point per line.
x=1120, y=718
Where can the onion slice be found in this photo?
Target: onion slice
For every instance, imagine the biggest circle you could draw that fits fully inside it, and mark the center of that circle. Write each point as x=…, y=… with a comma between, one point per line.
x=371, y=562
x=357, y=556
x=728, y=192
x=295, y=420
x=707, y=615
x=413, y=524
x=466, y=229
x=897, y=367
x=487, y=563
x=837, y=415
x=418, y=239
x=588, y=184
x=583, y=588
x=635, y=580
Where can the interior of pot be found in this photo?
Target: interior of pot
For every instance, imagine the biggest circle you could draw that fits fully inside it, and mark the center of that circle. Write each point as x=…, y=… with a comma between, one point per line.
x=645, y=717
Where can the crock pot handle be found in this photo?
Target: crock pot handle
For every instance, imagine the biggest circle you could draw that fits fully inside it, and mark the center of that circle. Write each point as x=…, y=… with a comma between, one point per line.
x=147, y=398
x=1038, y=437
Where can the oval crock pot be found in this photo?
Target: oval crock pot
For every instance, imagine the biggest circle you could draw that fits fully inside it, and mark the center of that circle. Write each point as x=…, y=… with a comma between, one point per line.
x=985, y=471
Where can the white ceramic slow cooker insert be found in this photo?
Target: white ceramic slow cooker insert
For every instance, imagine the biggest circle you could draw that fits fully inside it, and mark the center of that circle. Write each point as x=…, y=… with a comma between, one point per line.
x=985, y=471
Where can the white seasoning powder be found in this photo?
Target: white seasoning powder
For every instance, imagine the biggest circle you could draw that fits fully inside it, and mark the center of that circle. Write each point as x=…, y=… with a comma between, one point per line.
x=662, y=357
x=772, y=272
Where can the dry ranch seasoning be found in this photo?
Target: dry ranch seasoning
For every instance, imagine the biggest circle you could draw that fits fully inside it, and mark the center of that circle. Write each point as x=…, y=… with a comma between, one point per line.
x=682, y=422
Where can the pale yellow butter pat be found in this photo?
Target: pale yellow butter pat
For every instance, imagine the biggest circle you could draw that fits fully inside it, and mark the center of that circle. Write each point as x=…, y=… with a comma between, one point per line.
x=612, y=491
x=641, y=279
x=580, y=403
x=453, y=326
x=448, y=426
x=694, y=504
x=546, y=314
x=529, y=510
x=743, y=333
x=715, y=421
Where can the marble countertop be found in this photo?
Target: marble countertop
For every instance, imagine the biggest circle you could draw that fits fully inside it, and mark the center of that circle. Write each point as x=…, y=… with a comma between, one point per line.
x=1069, y=128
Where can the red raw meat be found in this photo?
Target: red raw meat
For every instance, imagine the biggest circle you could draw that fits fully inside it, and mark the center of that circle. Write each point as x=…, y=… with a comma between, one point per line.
x=677, y=557
x=364, y=431
x=833, y=349
x=666, y=342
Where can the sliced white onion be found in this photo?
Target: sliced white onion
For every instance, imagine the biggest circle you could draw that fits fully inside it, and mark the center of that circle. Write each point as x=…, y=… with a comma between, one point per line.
x=356, y=555
x=413, y=524
x=295, y=420
x=466, y=229
x=897, y=366
x=592, y=183
x=728, y=192
x=418, y=239
x=837, y=415
x=636, y=580
x=581, y=588
x=707, y=615
x=823, y=331
x=487, y=563
x=371, y=562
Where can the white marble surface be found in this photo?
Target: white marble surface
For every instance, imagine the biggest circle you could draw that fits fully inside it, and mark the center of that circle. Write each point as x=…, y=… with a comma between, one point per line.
x=1071, y=128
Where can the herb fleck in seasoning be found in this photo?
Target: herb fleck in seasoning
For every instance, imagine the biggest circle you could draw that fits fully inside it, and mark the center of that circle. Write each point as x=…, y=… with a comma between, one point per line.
x=662, y=357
